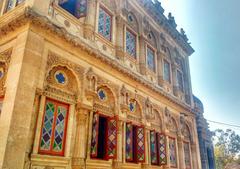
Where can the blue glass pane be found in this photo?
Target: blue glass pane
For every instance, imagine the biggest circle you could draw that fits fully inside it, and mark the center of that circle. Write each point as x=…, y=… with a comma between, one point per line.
x=130, y=44
x=132, y=106
x=60, y=78
x=180, y=80
x=102, y=94
x=166, y=73
x=150, y=59
x=104, y=24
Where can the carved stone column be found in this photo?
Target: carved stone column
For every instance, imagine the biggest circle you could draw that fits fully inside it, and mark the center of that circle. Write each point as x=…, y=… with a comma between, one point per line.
x=90, y=20
x=119, y=160
x=167, y=151
x=181, y=152
x=79, y=151
x=120, y=38
x=89, y=136
x=147, y=151
x=142, y=55
x=160, y=69
x=194, y=162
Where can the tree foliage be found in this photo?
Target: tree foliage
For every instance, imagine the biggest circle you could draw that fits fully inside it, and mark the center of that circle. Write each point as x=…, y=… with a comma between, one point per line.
x=227, y=148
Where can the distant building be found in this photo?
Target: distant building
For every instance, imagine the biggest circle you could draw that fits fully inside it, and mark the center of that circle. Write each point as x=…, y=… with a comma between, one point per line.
x=94, y=84
x=204, y=137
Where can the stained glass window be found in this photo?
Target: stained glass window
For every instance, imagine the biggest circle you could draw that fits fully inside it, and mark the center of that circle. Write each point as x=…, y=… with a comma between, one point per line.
x=130, y=43
x=166, y=71
x=111, y=138
x=102, y=94
x=187, y=156
x=150, y=59
x=132, y=106
x=162, y=149
x=81, y=8
x=54, y=128
x=60, y=77
x=135, y=143
x=153, y=147
x=12, y=3
x=180, y=80
x=104, y=23
x=129, y=142
x=104, y=137
x=140, y=144
x=158, y=148
x=77, y=8
x=172, y=151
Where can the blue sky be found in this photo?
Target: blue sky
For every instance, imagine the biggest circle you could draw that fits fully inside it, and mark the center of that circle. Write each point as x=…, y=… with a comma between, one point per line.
x=213, y=27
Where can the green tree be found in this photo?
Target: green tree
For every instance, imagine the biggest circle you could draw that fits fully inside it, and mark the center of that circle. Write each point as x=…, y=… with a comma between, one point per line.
x=227, y=147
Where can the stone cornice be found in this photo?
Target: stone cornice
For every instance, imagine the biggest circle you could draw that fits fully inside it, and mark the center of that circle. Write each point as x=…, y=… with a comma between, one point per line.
x=156, y=12
x=30, y=16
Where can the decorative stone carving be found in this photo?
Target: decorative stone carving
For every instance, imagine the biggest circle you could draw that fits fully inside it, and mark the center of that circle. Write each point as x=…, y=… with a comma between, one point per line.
x=92, y=80
x=171, y=20
x=148, y=109
x=170, y=122
x=183, y=33
x=71, y=77
x=5, y=58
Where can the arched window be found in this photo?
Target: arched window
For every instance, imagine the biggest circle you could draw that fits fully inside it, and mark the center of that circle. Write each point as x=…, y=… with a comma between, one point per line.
x=12, y=4
x=54, y=127
x=77, y=8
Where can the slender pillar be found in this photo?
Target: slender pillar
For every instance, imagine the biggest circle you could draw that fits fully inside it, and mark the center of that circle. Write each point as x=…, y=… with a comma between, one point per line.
x=142, y=55
x=174, y=79
x=90, y=20
x=89, y=134
x=80, y=139
x=120, y=40
x=160, y=68
x=180, y=152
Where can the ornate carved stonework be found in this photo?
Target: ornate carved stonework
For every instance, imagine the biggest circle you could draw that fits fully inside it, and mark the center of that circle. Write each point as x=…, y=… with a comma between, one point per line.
x=5, y=58
x=73, y=79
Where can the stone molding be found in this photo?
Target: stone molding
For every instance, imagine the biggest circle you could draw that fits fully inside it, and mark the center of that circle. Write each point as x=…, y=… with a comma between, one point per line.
x=32, y=17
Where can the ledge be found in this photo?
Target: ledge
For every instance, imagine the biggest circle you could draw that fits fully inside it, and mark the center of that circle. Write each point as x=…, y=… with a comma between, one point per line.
x=30, y=16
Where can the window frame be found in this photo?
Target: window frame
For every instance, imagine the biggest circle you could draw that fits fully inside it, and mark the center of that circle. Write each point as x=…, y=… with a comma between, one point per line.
x=180, y=88
x=170, y=71
x=175, y=149
x=148, y=46
x=190, y=159
x=107, y=11
x=134, y=159
x=156, y=133
x=51, y=151
x=133, y=33
x=5, y=5
x=107, y=118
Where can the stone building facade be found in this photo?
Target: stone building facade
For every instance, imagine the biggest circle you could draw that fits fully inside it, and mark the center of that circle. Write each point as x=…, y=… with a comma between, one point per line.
x=204, y=137
x=94, y=84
